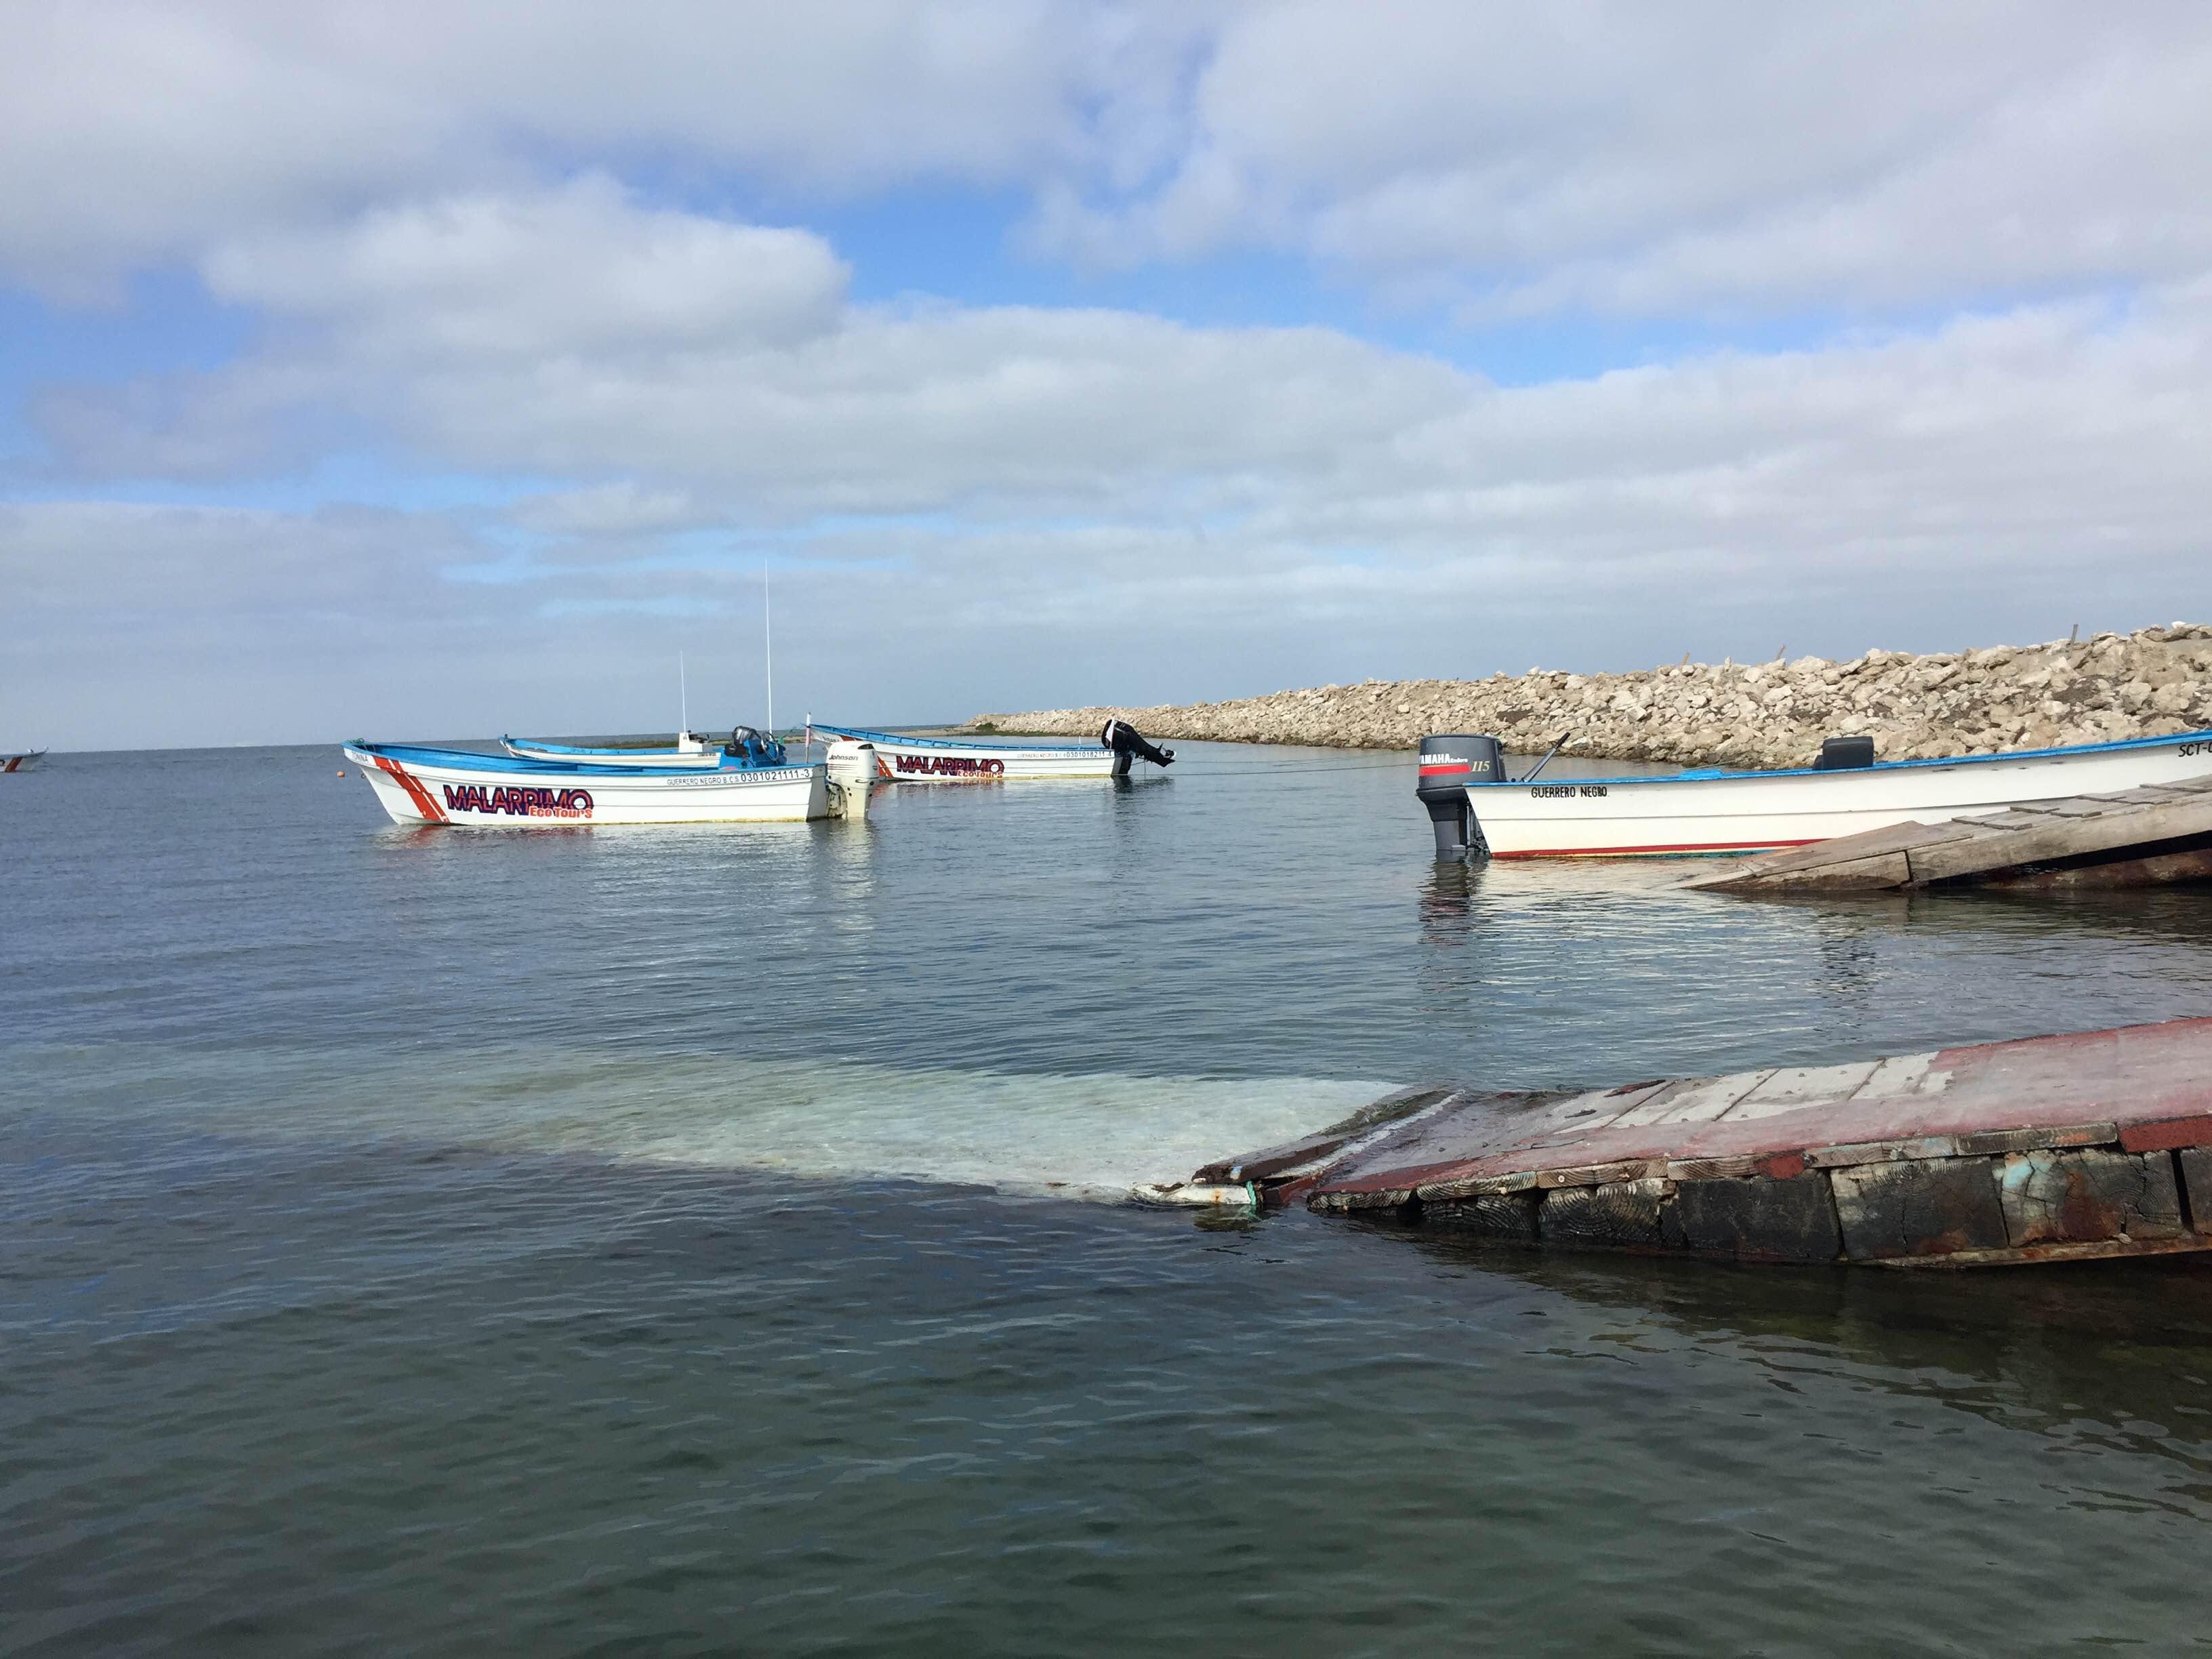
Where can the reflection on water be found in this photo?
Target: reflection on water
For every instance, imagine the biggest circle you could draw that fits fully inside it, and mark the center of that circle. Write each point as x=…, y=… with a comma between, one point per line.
x=2032, y=1348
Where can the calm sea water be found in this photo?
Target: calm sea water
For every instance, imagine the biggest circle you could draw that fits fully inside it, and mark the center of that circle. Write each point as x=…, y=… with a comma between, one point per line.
x=699, y=1241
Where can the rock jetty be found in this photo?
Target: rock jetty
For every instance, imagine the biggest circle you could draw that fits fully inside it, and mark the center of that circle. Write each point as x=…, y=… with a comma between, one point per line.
x=2151, y=683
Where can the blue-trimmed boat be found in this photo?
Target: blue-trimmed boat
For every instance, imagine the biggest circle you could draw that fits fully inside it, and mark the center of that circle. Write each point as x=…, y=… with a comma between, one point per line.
x=416, y=785
x=904, y=759
x=1474, y=805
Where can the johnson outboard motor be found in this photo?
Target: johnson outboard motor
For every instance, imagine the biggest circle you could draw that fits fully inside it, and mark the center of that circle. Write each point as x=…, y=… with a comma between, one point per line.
x=1128, y=744
x=1449, y=763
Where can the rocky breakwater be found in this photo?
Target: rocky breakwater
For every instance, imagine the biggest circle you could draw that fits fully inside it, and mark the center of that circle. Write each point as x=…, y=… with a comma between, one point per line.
x=2151, y=683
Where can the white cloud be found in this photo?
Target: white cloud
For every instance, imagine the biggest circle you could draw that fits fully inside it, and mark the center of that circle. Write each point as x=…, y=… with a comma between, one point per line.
x=577, y=272
x=138, y=132
x=435, y=221
x=622, y=508
x=1645, y=160
x=996, y=505
x=1588, y=154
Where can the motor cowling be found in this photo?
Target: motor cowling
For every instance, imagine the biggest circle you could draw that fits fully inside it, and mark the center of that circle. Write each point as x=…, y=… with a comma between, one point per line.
x=1129, y=744
x=752, y=748
x=1449, y=763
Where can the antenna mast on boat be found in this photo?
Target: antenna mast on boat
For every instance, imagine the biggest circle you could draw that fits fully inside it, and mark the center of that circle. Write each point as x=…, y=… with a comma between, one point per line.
x=768, y=634
x=683, y=697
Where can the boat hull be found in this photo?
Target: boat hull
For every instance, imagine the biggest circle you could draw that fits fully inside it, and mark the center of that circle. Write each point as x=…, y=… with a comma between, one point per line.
x=1758, y=811
x=413, y=790
x=22, y=761
x=936, y=760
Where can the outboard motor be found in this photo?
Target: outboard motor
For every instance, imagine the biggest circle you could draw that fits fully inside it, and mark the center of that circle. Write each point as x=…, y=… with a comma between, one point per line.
x=1845, y=754
x=1128, y=744
x=748, y=745
x=1449, y=763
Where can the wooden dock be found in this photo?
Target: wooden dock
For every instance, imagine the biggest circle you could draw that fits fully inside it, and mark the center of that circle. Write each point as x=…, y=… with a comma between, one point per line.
x=2139, y=838
x=2092, y=1145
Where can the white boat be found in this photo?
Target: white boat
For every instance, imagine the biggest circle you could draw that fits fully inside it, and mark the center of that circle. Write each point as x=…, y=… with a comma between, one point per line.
x=941, y=760
x=690, y=750
x=21, y=761
x=461, y=787
x=1475, y=807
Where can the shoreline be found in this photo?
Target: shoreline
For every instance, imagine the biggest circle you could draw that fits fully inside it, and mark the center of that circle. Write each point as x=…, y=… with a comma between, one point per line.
x=2154, y=682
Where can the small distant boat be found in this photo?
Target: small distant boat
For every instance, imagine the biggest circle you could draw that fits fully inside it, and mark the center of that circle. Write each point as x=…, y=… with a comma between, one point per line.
x=1474, y=806
x=903, y=759
x=416, y=785
x=690, y=750
x=22, y=761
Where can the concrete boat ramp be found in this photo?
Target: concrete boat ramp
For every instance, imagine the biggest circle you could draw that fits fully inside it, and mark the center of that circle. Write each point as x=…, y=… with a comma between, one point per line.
x=2095, y=1144
x=2144, y=837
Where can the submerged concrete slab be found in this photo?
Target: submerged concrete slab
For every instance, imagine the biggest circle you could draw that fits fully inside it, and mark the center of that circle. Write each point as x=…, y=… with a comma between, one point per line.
x=2087, y=1144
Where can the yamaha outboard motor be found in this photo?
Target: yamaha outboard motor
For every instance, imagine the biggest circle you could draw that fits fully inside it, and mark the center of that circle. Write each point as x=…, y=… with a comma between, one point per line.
x=1448, y=763
x=1129, y=744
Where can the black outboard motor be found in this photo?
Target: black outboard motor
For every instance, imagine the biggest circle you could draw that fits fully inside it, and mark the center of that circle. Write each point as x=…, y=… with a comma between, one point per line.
x=1129, y=744
x=1845, y=754
x=1448, y=763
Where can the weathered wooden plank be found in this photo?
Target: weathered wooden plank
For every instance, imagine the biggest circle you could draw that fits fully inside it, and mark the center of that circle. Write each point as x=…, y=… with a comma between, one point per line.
x=1698, y=1100
x=1924, y=1207
x=2021, y=1141
x=1897, y=1075
x=2028, y=834
x=2160, y=870
x=2068, y=838
x=1621, y=1214
x=1790, y=1087
x=2000, y=1151
x=1852, y=1154
x=1599, y=1175
x=1520, y=1180
x=2074, y=807
x=2076, y=1197
x=1399, y=1104
x=1792, y=1220
x=1830, y=875
x=2037, y=1254
x=1491, y=1215
x=1895, y=838
x=2151, y=795
x=2194, y=1165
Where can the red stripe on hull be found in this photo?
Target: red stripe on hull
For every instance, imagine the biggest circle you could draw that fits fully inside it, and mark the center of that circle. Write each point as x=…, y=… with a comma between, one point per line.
x=415, y=791
x=1657, y=852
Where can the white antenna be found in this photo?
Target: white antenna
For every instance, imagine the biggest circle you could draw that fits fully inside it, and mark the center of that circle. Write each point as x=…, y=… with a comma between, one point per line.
x=683, y=695
x=768, y=634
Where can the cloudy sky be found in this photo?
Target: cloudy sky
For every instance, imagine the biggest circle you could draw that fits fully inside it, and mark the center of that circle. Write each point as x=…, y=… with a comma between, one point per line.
x=415, y=370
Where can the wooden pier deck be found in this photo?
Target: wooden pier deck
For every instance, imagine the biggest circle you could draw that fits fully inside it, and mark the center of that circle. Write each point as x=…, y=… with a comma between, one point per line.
x=2091, y=1144
x=2138, y=838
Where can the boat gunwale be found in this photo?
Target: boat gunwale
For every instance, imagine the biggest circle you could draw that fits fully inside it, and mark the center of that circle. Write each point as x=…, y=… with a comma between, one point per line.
x=859, y=735
x=470, y=760
x=2113, y=747
x=515, y=745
